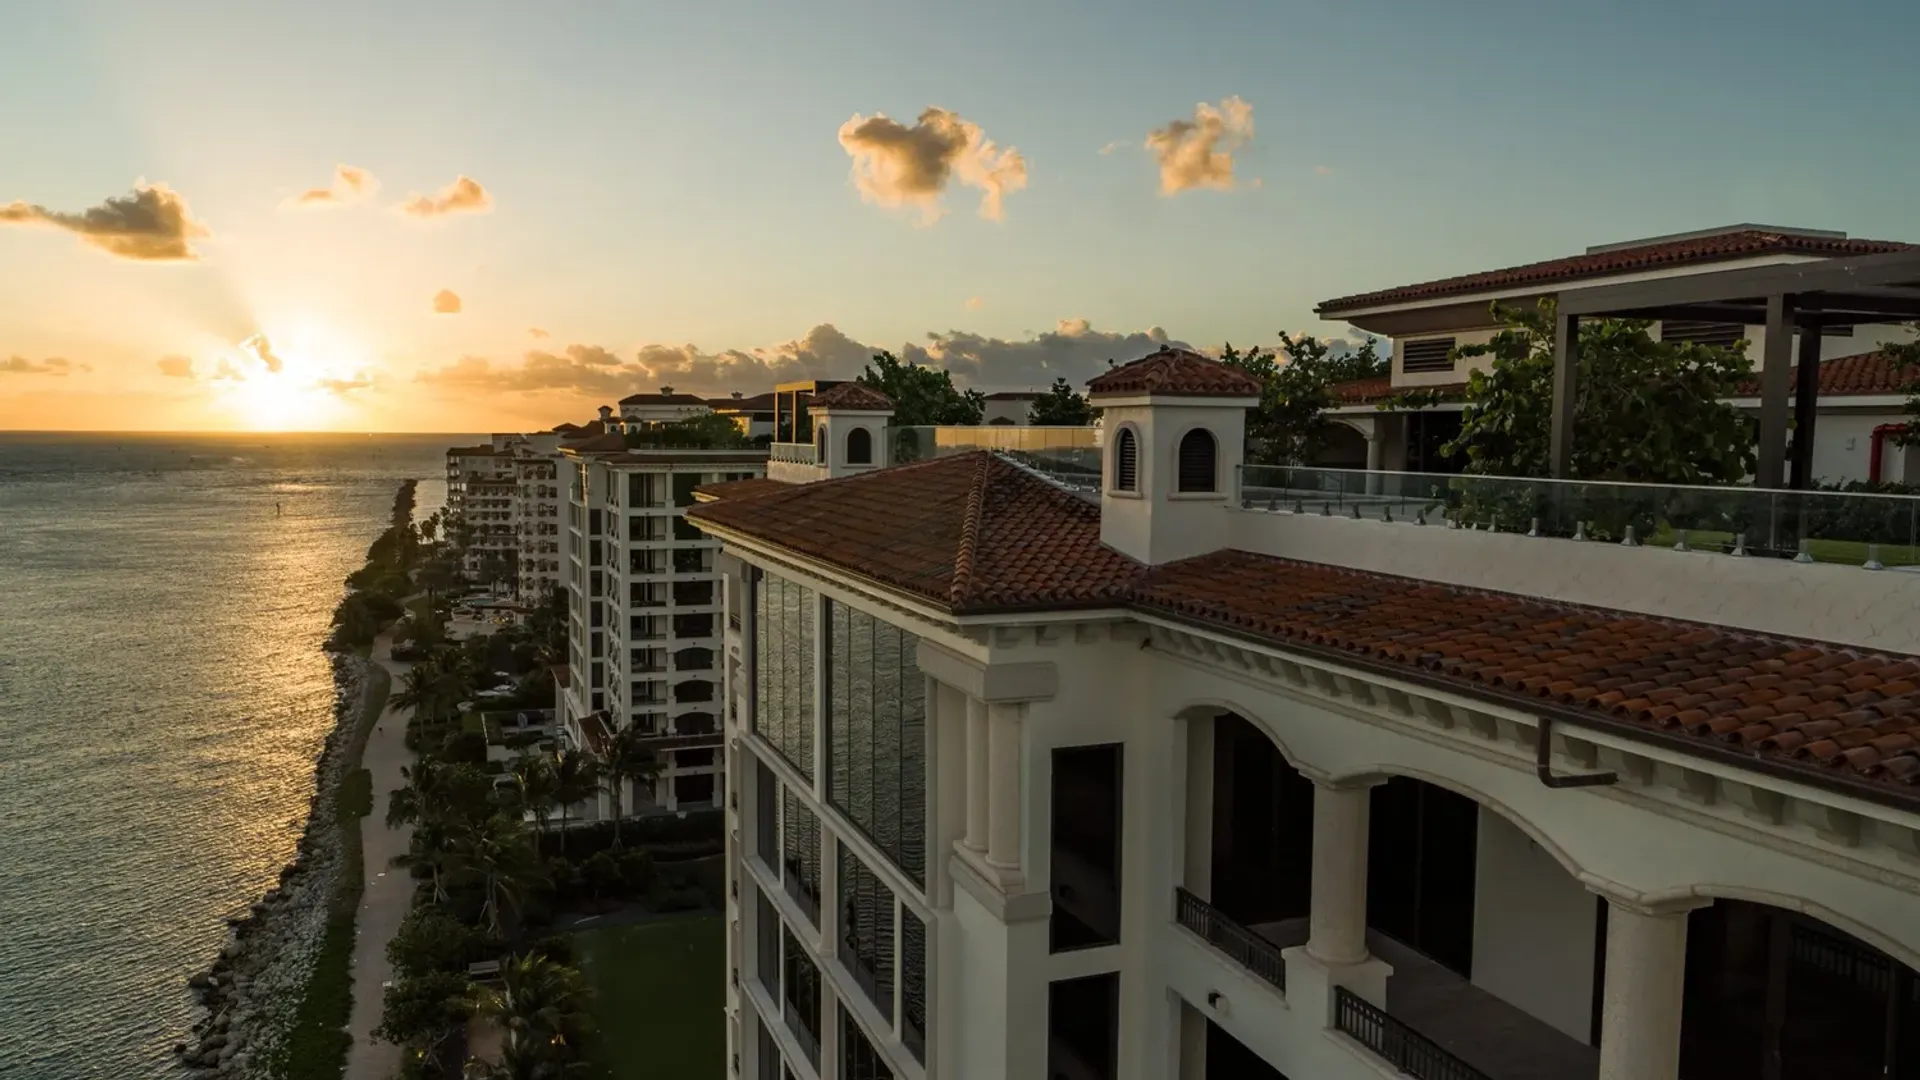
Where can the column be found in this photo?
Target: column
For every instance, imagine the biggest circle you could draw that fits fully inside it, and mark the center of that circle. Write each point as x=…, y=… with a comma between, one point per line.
x=976, y=837
x=1806, y=404
x=1337, y=925
x=1003, y=787
x=1776, y=375
x=1566, y=390
x=1640, y=1009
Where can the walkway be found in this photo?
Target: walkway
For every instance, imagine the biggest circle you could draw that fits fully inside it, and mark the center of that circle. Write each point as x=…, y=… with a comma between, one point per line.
x=389, y=891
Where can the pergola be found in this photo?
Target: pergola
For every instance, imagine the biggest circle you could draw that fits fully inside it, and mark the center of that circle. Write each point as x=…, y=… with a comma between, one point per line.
x=1811, y=298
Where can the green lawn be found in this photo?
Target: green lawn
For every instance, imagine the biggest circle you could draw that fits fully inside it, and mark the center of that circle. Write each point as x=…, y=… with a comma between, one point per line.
x=659, y=989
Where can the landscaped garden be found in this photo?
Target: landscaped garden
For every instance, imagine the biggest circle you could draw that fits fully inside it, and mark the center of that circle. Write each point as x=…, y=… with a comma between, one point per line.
x=659, y=992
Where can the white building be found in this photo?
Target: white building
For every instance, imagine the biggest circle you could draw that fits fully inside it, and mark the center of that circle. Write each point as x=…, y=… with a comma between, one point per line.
x=1009, y=408
x=538, y=498
x=482, y=482
x=664, y=407
x=644, y=600
x=1150, y=785
x=1860, y=393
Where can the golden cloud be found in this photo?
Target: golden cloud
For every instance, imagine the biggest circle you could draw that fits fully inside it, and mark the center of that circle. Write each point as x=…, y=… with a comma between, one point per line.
x=58, y=366
x=463, y=196
x=174, y=366
x=446, y=302
x=347, y=385
x=349, y=185
x=899, y=166
x=535, y=332
x=152, y=224
x=261, y=349
x=1198, y=153
x=974, y=303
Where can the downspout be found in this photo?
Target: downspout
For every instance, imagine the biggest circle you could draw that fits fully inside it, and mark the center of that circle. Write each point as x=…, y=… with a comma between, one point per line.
x=1543, y=763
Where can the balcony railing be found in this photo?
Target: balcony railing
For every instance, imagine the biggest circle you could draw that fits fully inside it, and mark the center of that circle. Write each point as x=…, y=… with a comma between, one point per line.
x=1860, y=528
x=1068, y=455
x=1243, y=946
x=1399, y=1045
x=796, y=453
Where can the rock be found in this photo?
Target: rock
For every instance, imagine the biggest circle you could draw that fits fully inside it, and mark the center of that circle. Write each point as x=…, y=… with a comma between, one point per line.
x=180, y=1049
x=201, y=981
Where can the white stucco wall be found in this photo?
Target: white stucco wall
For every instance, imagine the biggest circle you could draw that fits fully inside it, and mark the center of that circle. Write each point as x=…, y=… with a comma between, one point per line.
x=1533, y=929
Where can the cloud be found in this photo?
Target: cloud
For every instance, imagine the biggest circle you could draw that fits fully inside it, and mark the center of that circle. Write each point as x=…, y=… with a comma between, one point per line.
x=349, y=185
x=1117, y=144
x=899, y=166
x=1073, y=350
x=463, y=196
x=1198, y=153
x=261, y=349
x=178, y=367
x=446, y=302
x=536, y=333
x=226, y=372
x=974, y=303
x=58, y=366
x=152, y=224
x=347, y=385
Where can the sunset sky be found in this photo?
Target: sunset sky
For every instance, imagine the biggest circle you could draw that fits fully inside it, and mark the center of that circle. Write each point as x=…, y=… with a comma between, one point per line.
x=424, y=216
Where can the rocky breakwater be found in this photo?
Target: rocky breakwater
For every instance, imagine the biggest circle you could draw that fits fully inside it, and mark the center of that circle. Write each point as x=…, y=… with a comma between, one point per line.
x=252, y=989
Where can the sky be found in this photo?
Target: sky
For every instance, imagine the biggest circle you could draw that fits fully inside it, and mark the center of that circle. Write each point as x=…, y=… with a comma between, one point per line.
x=496, y=216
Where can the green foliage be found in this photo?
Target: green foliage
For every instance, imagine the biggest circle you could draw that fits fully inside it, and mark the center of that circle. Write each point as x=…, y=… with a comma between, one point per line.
x=542, y=1006
x=429, y=939
x=1289, y=425
x=1060, y=406
x=1905, y=358
x=420, y=1009
x=705, y=431
x=1648, y=411
x=467, y=747
x=922, y=396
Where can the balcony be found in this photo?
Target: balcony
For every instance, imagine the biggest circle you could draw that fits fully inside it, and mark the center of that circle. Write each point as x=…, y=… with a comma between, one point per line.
x=1396, y=1043
x=1240, y=944
x=795, y=453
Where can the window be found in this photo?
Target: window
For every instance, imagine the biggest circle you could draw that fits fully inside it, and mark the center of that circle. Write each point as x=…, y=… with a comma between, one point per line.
x=766, y=810
x=1197, y=461
x=1126, y=461
x=1426, y=355
x=784, y=669
x=694, y=690
x=859, y=447
x=913, y=984
x=693, y=789
x=866, y=930
x=803, y=997
x=1083, y=1028
x=1086, y=847
x=800, y=854
x=876, y=734
x=767, y=936
x=858, y=1059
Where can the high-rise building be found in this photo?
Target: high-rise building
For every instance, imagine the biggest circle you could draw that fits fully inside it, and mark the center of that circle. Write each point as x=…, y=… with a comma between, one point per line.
x=1187, y=777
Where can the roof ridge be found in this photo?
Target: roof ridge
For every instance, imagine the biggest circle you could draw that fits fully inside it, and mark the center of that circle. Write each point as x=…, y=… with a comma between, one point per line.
x=971, y=524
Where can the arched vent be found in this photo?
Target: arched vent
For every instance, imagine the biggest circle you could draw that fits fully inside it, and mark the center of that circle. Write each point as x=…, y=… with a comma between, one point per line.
x=859, y=447
x=1197, y=456
x=1126, y=461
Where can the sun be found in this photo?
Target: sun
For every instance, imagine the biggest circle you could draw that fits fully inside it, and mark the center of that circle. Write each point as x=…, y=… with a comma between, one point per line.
x=298, y=383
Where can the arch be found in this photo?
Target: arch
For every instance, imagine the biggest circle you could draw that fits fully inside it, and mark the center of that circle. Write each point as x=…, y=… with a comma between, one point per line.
x=859, y=446
x=1126, y=459
x=1197, y=462
x=820, y=443
x=1901, y=952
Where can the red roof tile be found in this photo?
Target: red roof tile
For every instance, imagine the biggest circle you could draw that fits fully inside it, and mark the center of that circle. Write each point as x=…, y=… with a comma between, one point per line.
x=1172, y=372
x=1680, y=252
x=851, y=396
x=1803, y=706
x=740, y=489
x=922, y=528
x=662, y=399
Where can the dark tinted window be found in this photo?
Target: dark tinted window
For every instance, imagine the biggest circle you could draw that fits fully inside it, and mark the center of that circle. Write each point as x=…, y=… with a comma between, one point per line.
x=783, y=673
x=1126, y=461
x=1083, y=1028
x=1086, y=846
x=858, y=1059
x=859, y=447
x=866, y=930
x=800, y=853
x=913, y=983
x=876, y=734
x=1197, y=453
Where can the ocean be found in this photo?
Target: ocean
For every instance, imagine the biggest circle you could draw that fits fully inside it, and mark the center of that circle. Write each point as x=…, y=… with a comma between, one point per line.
x=162, y=696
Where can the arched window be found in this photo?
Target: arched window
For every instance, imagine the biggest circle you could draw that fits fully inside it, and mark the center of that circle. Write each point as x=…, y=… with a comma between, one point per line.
x=820, y=445
x=1197, y=461
x=859, y=447
x=1126, y=461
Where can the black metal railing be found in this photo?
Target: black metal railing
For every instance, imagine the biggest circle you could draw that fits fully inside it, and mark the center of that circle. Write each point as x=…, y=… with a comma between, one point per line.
x=1243, y=946
x=1841, y=959
x=1401, y=1046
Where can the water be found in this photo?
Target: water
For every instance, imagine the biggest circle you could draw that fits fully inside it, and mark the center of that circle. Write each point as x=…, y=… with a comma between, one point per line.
x=162, y=697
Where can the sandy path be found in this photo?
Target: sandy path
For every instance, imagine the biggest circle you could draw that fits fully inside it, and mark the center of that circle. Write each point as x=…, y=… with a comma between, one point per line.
x=389, y=890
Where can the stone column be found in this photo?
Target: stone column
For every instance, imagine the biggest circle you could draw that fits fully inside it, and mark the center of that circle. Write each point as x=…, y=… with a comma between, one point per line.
x=976, y=837
x=1003, y=788
x=1338, y=922
x=1646, y=976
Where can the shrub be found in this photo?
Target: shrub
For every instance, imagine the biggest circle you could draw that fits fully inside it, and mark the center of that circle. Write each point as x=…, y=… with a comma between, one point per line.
x=469, y=747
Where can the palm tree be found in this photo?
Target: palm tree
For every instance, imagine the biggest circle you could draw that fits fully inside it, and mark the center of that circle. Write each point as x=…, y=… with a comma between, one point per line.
x=535, y=782
x=495, y=852
x=431, y=841
x=629, y=759
x=539, y=1004
x=576, y=777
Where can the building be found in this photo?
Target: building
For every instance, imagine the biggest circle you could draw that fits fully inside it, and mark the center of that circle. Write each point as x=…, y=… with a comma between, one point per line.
x=1860, y=394
x=1009, y=407
x=537, y=500
x=752, y=415
x=664, y=407
x=482, y=484
x=644, y=594
x=1151, y=784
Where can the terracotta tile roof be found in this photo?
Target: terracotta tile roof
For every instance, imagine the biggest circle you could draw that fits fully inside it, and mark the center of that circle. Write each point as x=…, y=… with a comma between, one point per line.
x=851, y=396
x=662, y=399
x=1689, y=251
x=1172, y=372
x=923, y=528
x=1803, y=706
x=739, y=489
x=1862, y=374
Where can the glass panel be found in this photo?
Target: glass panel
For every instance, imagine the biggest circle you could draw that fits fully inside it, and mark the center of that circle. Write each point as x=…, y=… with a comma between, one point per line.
x=876, y=734
x=803, y=997
x=767, y=935
x=1087, y=783
x=766, y=809
x=800, y=859
x=866, y=930
x=913, y=983
x=1083, y=1028
x=858, y=1059
x=783, y=649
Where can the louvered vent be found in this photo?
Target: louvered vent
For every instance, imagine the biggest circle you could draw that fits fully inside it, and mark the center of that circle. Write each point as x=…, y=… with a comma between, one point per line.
x=1197, y=461
x=1427, y=354
x=1126, y=462
x=1723, y=335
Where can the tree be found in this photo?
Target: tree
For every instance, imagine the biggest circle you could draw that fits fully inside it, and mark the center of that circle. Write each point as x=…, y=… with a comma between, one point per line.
x=576, y=778
x=541, y=1005
x=1905, y=358
x=703, y=431
x=1647, y=411
x=495, y=855
x=629, y=759
x=1060, y=406
x=1289, y=426
x=429, y=939
x=423, y=1009
x=922, y=396
x=535, y=784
